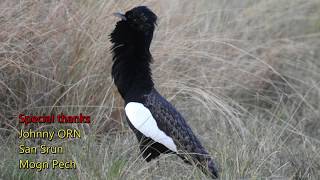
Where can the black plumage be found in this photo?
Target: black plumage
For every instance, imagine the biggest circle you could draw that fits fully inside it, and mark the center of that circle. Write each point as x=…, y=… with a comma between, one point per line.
x=131, y=71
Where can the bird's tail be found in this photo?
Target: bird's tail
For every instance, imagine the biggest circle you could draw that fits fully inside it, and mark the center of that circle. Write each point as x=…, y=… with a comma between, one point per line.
x=213, y=169
x=204, y=162
x=210, y=168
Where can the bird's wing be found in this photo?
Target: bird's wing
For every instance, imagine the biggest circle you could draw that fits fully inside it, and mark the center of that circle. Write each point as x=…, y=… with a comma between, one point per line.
x=141, y=118
x=156, y=118
x=170, y=121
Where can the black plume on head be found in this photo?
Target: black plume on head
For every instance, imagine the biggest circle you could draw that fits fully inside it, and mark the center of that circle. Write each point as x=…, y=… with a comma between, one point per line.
x=141, y=18
x=136, y=27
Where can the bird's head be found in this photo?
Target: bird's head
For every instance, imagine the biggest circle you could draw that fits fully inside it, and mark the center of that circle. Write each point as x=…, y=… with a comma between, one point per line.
x=140, y=19
x=135, y=28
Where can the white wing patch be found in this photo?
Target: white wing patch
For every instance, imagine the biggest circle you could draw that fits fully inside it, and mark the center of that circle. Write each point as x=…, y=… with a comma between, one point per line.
x=142, y=119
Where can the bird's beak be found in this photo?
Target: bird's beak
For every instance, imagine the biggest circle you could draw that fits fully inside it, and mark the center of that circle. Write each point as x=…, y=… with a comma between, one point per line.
x=120, y=15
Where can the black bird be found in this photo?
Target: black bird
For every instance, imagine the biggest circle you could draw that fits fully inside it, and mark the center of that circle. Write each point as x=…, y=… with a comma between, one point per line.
x=158, y=126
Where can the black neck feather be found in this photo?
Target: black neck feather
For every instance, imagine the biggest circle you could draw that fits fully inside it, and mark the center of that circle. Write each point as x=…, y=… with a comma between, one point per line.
x=131, y=61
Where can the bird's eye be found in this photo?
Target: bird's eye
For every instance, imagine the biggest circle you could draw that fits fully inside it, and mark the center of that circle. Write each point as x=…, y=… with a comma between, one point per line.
x=143, y=18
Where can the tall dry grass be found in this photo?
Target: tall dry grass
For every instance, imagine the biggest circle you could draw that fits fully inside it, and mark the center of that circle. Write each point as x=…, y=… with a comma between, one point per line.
x=245, y=74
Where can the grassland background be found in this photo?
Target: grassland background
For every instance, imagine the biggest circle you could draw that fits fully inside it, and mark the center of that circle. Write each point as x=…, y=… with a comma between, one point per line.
x=245, y=75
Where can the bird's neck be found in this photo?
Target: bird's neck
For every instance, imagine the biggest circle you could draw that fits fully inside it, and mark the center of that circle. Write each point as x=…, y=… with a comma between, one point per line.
x=131, y=69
